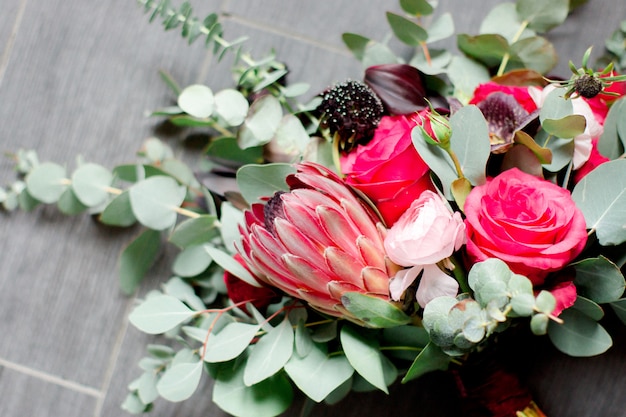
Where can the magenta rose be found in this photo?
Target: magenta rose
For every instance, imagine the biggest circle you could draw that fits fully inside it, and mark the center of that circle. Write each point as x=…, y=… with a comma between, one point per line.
x=388, y=169
x=531, y=224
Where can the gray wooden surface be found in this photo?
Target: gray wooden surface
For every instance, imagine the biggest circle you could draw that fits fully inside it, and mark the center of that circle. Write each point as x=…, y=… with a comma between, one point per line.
x=75, y=79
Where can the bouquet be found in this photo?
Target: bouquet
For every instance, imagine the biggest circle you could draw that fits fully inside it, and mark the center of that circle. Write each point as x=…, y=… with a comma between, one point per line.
x=415, y=221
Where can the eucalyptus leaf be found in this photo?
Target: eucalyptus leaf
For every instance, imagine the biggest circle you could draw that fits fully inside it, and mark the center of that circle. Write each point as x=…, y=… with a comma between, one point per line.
x=543, y=15
x=270, y=353
x=441, y=28
x=291, y=137
x=197, y=101
x=137, y=258
x=230, y=342
x=146, y=387
x=229, y=224
x=534, y=53
x=488, y=49
x=504, y=20
x=193, y=260
x=588, y=308
x=180, y=381
x=364, y=355
x=256, y=181
x=431, y=358
x=356, y=44
x=118, y=212
x=231, y=265
x=160, y=313
x=231, y=106
x=439, y=60
x=91, y=183
x=579, y=335
x=303, y=339
x=70, y=204
x=466, y=74
x=612, y=143
x=619, y=307
x=599, y=279
x=318, y=374
x=195, y=231
x=268, y=398
x=378, y=53
x=155, y=200
x=226, y=151
x=555, y=106
x=47, y=182
x=417, y=7
x=470, y=142
x=406, y=30
x=604, y=203
x=261, y=123
x=374, y=311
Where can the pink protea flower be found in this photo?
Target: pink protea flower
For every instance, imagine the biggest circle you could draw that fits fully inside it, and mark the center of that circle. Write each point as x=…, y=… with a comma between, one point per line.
x=317, y=242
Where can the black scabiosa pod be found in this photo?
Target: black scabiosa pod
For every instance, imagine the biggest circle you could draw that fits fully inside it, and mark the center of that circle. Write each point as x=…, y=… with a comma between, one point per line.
x=350, y=111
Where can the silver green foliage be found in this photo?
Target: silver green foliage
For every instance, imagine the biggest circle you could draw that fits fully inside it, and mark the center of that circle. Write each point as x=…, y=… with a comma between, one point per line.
x=459, y=324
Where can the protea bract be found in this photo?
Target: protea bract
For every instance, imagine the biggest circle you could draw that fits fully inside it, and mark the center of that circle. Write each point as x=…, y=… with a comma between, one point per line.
x=317, y=242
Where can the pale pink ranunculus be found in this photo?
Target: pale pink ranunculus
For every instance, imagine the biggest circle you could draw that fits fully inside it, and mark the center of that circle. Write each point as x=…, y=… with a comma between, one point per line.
x=582, y=142
x=427, y=233
x=531, y=224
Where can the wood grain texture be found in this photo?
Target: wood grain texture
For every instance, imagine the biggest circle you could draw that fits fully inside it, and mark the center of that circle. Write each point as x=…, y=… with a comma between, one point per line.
x=79, y=77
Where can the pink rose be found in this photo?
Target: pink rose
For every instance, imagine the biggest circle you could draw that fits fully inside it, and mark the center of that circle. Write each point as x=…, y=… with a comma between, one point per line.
x=531, y=224
x=520, y=93
x=427, y=233
x=388, y=169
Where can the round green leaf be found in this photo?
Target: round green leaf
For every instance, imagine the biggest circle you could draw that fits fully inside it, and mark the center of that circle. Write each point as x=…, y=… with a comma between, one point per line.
x=291, y=136
x=192, y=261
x=230, y=342
x=197, y=101
x=46, y=182
x=545, y=302
x=523, y=304
x=270, y=354
x=539, y=324
x=137, y=258
x=119, y=212
x=373, y=311
x=231, y=106
x=90, y=183
x=195, y=231
x=69, y=204
x=268, y=398
x=579, y=335
x=317, y=374
x=542, y=15
x=257, y=181
x=228, y=263
x=364, y=355
x=261, y=122
x=406, y=30
x=159, y=314
x=431, y=358
x=588, y=308
x=602, y=202
x=599, y=279
x=154, y=201
x=180, y=381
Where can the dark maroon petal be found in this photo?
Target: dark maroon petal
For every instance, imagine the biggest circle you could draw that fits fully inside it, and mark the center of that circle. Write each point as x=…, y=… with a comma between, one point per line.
x=399, y=87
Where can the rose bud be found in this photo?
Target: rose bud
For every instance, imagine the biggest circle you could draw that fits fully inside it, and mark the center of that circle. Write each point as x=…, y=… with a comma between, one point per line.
x=399, y=87
x=436, y=129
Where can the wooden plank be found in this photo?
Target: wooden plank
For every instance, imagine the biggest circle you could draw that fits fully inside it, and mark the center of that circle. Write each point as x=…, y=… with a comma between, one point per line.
x=23, y=395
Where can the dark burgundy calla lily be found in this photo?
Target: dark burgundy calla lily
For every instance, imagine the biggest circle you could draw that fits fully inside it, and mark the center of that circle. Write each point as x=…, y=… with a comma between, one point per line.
x=399, y=87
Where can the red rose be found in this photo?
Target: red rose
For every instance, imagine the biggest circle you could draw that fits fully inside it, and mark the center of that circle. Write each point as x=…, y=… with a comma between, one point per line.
x=388, y=169
x=529, y=223
x=520, y=94
x=239, y=290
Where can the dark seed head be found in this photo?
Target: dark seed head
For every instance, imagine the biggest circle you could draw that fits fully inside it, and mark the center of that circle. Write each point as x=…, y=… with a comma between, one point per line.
x=588, y=86
x=351, y=111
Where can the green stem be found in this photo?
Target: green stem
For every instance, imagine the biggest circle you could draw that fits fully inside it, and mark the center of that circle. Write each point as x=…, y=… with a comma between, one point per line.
x=507, y=56
x=455, y=160
x=460, y=276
